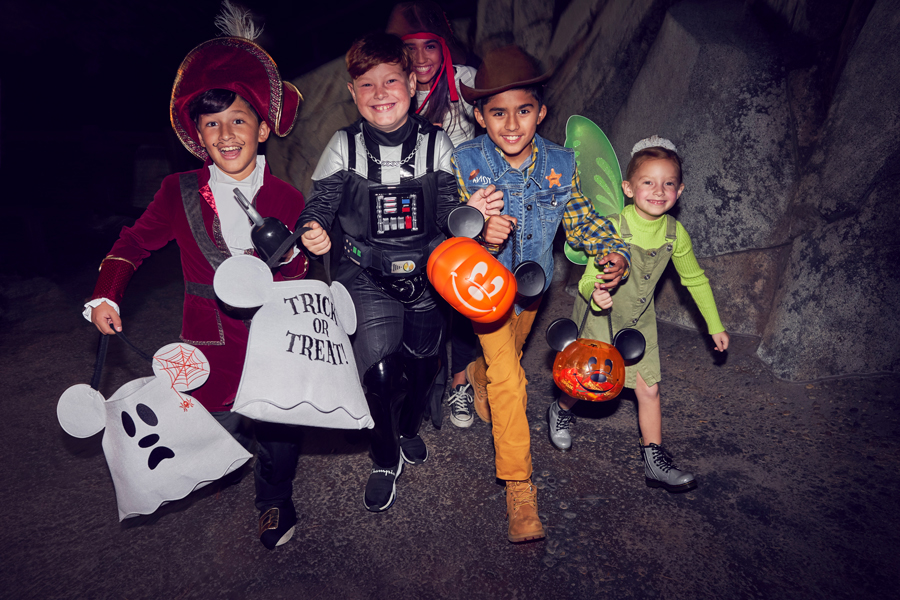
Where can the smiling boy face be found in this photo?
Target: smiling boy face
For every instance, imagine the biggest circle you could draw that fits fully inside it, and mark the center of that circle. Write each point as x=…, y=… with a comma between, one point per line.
x=382, y=95
x=511, y=119
x=231, y=138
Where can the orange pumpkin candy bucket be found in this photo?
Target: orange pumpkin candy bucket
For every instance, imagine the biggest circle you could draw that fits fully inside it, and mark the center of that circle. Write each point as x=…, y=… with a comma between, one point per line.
x=589, y=369
x=471, y=280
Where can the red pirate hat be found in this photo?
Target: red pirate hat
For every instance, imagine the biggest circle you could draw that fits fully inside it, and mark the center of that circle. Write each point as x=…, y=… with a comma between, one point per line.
x=238, y=65
x=504, y=69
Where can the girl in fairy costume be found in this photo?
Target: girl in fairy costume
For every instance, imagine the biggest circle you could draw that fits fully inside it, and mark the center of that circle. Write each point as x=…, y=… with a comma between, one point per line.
x=653, y=180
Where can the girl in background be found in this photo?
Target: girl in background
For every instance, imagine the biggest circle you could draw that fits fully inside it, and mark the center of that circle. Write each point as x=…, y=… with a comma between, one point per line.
x=437, y=58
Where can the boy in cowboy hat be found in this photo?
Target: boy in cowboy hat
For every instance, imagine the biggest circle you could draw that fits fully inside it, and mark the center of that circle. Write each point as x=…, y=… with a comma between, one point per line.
x=227, y=98
x=539, y=186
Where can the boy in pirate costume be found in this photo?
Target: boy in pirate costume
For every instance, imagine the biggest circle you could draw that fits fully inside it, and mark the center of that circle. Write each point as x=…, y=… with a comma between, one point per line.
x=227, y=98
x=382, y=192
x=540, y=189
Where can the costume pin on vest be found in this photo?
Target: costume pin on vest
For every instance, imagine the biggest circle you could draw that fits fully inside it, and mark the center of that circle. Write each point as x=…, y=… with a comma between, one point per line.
x=299, y=368
x=159, y=443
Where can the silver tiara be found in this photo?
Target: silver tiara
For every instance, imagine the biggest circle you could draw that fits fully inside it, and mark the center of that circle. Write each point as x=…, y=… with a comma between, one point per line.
x=652, y=142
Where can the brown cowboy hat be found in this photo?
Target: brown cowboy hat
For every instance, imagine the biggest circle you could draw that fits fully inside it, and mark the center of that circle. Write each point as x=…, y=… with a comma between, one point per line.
x=504, y=69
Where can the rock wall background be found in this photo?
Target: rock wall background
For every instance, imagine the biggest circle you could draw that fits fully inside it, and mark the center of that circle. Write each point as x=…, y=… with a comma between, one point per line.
x=786, y=115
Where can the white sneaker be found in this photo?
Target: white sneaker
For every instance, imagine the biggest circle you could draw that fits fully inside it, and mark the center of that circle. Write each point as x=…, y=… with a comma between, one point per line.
x=461, y=401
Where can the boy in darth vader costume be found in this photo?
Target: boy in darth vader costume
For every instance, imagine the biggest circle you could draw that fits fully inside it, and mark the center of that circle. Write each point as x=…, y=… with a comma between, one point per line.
x=227, y=97
x=382, y=191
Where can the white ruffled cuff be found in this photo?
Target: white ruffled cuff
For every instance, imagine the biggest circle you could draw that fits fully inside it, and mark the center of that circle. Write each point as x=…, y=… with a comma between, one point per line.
x=90, y=306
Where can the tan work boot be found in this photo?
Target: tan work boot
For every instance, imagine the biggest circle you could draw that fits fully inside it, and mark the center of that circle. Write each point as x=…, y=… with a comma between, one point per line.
x=479, y=390
x=521, y=510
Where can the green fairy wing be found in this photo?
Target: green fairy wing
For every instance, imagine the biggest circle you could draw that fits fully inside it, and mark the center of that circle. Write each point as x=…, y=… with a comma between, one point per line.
x=601, y=177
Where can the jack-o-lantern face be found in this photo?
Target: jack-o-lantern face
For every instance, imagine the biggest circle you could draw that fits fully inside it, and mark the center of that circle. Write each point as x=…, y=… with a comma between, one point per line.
x=471, y=280
x=589, y=370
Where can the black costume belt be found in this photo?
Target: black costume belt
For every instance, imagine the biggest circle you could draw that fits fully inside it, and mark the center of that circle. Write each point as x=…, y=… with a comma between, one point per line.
x=403, y=289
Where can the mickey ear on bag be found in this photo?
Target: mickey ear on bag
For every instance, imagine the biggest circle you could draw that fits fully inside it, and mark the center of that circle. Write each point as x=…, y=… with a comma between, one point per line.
x=80, y=411
x=183, y=365
x=344, y=307
x=243, y=281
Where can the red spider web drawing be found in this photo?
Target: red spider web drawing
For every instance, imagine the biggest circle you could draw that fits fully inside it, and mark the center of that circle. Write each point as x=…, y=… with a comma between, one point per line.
x=182, y=366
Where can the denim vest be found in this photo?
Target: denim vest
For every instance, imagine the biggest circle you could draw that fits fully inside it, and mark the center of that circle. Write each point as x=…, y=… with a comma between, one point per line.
x=538, y=203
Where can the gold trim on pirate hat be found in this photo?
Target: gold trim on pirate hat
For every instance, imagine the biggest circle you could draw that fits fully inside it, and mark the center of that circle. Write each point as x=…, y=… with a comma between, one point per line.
x=237, y=64
x=504, y=69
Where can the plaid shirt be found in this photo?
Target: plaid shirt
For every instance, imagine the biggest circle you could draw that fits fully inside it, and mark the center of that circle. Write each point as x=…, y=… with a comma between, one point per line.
x=585, y=229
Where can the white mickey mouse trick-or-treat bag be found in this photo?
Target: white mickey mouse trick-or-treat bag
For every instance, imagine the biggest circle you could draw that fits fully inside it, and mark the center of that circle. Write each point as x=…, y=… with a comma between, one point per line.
x=159, y=443
x=299, y=368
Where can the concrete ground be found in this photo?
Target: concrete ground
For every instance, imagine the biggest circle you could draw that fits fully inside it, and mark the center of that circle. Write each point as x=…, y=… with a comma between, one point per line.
x=797, y=493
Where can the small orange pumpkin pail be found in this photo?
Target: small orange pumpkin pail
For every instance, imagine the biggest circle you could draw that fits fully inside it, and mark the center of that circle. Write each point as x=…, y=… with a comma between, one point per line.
x=589, y=370
x=471, y=280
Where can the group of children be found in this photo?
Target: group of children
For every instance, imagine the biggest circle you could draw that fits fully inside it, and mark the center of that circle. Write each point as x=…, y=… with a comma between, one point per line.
x=228, y=98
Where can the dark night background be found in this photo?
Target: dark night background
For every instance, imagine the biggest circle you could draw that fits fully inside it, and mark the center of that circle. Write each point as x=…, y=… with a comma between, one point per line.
x=83, y=85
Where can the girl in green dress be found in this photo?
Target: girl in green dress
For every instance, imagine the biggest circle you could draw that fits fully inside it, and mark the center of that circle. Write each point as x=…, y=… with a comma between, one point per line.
x=654, y=183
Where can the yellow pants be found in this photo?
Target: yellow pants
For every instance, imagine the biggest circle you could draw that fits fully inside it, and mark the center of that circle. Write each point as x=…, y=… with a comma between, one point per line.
x=500, y=371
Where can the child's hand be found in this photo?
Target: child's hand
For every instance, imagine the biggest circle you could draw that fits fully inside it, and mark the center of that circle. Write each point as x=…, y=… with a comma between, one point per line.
x=106, y=319
x=721, y=341
x=488, y=200
x=498, y=228
x=316, y=240
x=613, y=271
x=601, y=297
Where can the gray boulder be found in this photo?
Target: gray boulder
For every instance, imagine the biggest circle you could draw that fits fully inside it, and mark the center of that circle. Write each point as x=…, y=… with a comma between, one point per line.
x=836, y=305
x=714, y=84
x=596, y=51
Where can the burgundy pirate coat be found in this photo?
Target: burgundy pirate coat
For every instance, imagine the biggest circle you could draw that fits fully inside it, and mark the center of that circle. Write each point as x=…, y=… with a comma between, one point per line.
x=218, y=329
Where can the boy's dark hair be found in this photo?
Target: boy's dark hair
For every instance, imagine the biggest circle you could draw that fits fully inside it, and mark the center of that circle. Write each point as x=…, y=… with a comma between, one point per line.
x=652, y=153
x=537, y=92
x=213, y=101
x=375, y=49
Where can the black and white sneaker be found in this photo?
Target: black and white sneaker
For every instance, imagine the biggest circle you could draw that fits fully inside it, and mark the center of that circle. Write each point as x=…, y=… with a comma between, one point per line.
x=413, y=450
x=461, y=403
x=381, y=489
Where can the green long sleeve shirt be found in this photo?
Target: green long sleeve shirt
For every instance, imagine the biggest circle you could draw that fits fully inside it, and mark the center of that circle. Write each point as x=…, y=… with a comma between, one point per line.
x=652, y=234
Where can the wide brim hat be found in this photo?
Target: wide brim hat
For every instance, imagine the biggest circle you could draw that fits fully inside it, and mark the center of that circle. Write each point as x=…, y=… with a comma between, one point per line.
x=504, y=69
x=238, y=65
x=424, y=16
